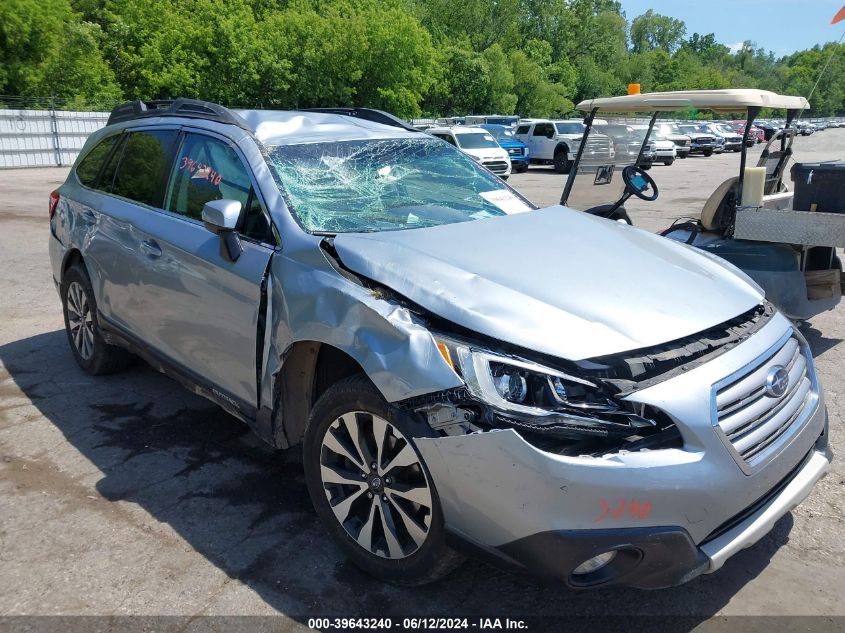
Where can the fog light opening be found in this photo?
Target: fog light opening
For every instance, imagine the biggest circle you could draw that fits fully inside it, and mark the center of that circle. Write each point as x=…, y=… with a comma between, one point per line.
x=594, y=564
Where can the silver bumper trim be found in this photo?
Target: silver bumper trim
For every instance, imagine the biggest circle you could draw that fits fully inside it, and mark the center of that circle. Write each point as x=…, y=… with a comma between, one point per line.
x=752, y=530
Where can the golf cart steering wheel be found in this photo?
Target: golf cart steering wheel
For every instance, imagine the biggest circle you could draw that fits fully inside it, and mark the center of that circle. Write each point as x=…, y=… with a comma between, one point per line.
x=637, y=181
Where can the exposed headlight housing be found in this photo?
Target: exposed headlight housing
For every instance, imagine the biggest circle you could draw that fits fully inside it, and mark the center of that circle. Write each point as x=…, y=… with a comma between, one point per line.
x=537, y=398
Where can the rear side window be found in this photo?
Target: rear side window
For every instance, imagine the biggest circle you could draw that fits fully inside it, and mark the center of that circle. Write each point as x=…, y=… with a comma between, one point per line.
x=142, y=167
x=543, y=129
x=88, y=170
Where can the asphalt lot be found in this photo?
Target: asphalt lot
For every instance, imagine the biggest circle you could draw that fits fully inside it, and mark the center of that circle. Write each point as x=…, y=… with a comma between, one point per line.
x=128, y=495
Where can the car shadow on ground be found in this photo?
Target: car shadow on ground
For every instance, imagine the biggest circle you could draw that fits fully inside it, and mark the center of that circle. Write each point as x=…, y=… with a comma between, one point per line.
x=245, y=508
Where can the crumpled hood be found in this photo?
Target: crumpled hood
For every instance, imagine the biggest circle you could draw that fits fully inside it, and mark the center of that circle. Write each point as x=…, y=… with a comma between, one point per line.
x=558, y=281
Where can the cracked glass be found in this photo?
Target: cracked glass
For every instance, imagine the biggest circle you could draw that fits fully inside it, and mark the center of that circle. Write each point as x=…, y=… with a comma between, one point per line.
x=385, y=185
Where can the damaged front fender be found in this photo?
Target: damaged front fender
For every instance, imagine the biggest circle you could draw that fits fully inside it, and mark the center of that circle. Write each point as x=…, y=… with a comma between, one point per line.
x=310, y=301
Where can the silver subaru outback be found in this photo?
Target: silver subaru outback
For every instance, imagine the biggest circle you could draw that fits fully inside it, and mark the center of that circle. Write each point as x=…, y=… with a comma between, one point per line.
x=566, y=396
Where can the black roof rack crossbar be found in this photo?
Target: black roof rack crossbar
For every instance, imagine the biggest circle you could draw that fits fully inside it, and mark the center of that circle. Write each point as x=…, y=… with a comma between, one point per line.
x=368, y=114
x=188, y=108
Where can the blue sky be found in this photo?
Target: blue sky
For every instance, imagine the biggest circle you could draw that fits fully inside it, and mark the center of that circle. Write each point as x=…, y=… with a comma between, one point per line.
x=782, y=26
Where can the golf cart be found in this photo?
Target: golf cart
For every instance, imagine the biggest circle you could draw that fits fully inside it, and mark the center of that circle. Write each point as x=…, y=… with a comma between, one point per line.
x=785, y=241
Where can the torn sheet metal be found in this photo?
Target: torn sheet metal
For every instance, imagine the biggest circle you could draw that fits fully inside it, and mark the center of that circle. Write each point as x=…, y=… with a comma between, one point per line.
x=553, y=281
x=310, y=301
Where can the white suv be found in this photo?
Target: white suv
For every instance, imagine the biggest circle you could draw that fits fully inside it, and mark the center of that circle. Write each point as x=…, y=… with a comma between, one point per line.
x=556, y=142
x=478, y=144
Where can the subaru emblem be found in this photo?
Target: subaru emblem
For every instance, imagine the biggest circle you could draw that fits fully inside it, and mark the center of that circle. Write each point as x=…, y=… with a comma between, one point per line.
x=777, y=381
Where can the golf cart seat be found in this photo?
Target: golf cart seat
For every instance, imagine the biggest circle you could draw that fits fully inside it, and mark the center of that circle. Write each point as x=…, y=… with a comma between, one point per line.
x=715, y=214
x=714, y=219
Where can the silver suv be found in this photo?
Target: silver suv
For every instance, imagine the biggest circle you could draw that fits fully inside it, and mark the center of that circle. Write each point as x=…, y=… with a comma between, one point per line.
x=457, y=366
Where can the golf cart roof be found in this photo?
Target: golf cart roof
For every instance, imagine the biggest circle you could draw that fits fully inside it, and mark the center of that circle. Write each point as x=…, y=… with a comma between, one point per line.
x=729, y=100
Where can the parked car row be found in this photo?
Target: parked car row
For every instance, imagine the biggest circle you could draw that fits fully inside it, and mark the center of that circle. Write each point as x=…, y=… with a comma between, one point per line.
x=507, y=144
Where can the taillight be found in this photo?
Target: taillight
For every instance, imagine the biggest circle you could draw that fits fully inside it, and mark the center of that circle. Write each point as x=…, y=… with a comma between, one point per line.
x=54, y=202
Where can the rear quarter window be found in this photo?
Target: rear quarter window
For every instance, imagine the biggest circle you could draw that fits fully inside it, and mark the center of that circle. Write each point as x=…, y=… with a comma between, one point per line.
x=89, y=168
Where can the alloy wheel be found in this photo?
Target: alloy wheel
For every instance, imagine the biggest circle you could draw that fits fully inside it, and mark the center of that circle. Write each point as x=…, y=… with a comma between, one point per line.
x=375, y=485
x=80, y=320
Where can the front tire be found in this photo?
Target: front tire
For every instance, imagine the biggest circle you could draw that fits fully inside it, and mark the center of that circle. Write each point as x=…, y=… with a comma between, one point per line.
x=370, y=487
x=668, y=161
x=708, y=153
x=82, y=326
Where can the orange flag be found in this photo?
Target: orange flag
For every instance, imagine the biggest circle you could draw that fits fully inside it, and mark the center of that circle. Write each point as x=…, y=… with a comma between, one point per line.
x=839, y=16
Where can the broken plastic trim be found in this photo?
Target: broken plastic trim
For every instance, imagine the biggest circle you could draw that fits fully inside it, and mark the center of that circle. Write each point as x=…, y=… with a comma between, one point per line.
x=456, y=412
x=631, y=371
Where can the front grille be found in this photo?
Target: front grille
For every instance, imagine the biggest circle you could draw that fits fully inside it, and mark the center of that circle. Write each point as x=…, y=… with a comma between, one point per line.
x=515, y=151
x=750, y=418
x=597, y=146
x=681, y=143
x=704, y=140
x=497, y=166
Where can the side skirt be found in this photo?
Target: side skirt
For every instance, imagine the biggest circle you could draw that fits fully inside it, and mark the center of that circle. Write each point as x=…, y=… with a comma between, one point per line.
x=259, y=420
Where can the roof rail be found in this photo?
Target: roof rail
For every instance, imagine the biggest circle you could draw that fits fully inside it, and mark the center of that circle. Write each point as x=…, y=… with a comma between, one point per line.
x=187, y=108
x=368, y=114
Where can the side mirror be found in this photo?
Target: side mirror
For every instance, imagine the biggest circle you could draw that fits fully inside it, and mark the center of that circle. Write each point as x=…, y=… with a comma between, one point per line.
x=221, y=218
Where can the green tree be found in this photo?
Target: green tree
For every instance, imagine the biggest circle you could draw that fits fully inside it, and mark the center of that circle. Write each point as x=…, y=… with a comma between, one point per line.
x=45, y=50
x=652, y=30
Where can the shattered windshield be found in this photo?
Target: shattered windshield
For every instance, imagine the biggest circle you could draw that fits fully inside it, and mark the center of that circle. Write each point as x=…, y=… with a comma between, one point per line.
x=473, y=140
x=385, y=185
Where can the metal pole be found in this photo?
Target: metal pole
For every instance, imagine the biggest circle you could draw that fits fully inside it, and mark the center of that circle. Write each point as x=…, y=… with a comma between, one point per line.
x=573, y=169
x=647, y=135
x=54, y=127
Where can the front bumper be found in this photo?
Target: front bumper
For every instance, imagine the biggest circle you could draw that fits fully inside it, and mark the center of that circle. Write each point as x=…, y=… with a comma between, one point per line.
x=667, y=509
x=656, y=557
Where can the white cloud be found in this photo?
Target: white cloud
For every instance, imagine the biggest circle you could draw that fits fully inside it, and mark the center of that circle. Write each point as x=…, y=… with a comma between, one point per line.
x=735, y=48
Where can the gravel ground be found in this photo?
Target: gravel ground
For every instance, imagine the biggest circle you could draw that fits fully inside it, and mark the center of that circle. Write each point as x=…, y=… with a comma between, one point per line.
x=128, y=495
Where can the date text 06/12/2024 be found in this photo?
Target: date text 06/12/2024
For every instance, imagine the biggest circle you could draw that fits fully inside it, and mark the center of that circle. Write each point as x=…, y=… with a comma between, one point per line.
x=422, y=624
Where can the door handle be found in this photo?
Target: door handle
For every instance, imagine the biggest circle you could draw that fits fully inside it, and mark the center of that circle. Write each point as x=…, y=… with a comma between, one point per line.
x=151, y=248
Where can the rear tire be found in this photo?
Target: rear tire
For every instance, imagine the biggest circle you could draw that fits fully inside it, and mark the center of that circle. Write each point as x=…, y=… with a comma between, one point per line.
x=82, y=326
x=371, y=488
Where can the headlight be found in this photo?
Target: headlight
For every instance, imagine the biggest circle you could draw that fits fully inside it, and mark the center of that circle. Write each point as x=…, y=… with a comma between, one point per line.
x=538, y=398
x=525, y=151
